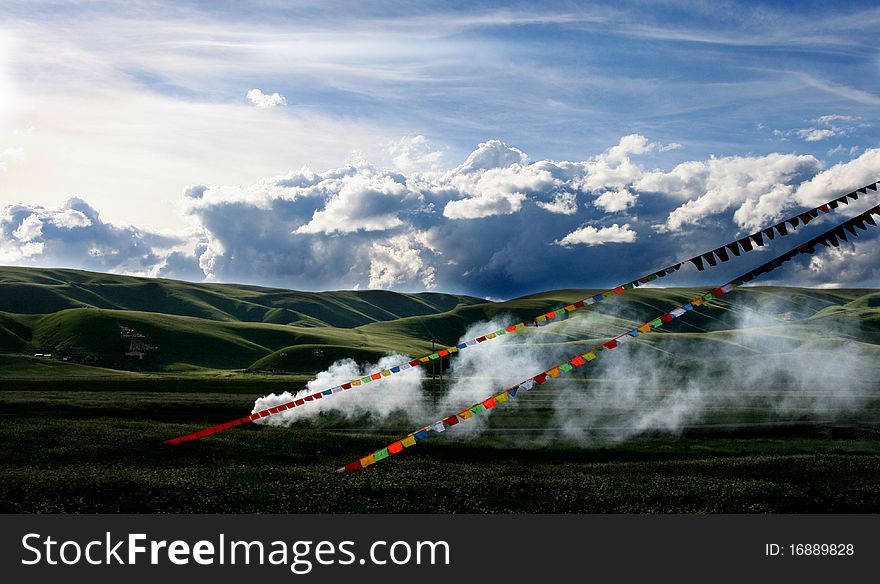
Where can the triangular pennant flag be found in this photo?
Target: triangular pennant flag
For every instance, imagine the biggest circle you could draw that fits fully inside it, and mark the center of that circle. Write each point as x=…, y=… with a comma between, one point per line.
x=709, y=257
x=813, y=213
x=793, y=222
x=833, y=240
x=781, y=228
x=734, y=248
x=862, y=190
x=722, y=254
x=842, y=200
x=833, y=204
x=824, y=208
x=873, y=186
x=839, y=232
x=697, y=261
x=852, y=230
x=746, y=244
x=758, y=239
x=769, y=233
x=861, y=225
x=870, y=220
x=805, y=218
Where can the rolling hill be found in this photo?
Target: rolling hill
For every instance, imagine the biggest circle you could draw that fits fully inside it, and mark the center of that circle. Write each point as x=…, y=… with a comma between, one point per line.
x=79, y=316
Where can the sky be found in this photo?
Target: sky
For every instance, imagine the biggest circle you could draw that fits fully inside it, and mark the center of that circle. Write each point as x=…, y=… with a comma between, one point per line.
x=488, y=148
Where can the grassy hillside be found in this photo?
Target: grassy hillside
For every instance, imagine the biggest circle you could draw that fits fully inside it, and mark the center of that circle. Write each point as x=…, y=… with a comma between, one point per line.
x=43, y=291
x=78, y=315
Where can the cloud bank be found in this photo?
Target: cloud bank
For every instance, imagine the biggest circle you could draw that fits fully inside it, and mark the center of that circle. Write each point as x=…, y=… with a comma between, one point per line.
x=499, y=224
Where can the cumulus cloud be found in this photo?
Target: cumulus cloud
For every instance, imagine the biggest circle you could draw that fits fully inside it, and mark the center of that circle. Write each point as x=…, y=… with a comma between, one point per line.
x=75, y=236
x=369, y=203
x=590, y=235
x=562, y=203
x=758, y=189
x=499, y=224
x=614, y=201
x=399, y=261
x=840, y=178
x=265, y=100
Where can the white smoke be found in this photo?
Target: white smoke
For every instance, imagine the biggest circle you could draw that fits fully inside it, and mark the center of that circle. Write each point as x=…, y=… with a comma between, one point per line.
x=401, y=392
x=762, y=369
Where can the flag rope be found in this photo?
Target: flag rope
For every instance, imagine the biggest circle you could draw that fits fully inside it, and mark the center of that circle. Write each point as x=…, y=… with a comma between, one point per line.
x=830, y=238
x=736, y=247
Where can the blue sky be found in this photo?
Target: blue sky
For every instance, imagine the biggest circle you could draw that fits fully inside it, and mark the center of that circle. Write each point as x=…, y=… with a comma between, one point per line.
x=489, y=148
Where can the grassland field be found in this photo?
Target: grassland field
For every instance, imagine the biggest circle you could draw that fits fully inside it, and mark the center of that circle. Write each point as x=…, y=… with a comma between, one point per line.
x=78, y=438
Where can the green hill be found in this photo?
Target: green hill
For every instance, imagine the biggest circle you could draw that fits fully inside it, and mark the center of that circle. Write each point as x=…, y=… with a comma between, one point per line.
x=80, y=317
x=43, y=291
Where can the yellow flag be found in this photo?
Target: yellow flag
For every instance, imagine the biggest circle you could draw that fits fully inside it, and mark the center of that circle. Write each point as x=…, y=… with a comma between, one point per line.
x=408, y=441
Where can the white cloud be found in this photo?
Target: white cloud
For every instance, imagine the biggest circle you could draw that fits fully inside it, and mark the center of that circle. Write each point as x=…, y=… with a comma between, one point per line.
x=492, y=226
x=614, y=201
x=828, y=126
x=398, y=261
x=492, y=154
x=70, y=219
x=75, y=236
x=265, y=100
x=369, y=203
x=817, y=134
x=590, y=235
x=484, y=205
x=840, y=178
x=29, y=229
x=563, y=203
x=758, y=189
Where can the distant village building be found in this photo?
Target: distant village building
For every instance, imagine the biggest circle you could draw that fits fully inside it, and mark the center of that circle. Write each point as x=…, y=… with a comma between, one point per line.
x=137, y=349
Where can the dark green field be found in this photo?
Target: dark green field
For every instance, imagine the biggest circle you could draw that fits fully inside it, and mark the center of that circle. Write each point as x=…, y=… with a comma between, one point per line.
x=84, y=438
x=77, y=451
